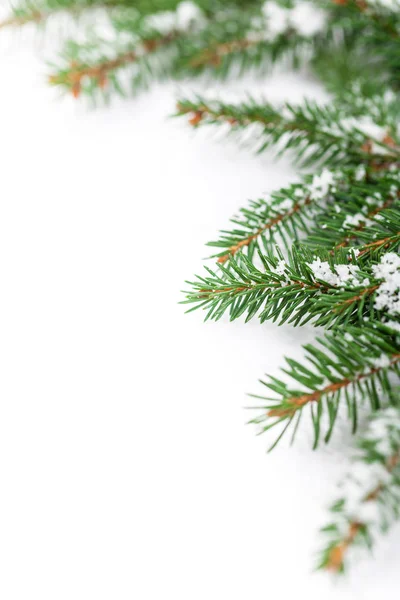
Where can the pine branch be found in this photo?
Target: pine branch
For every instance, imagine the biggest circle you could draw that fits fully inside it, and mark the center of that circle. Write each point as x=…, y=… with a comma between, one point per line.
x=329, y=290
x=349, y=366
x=385, y=235
x=355, y=215
x=39, y=12
x=369, y=500
x=201, y=42
x=284, y=216
x=319, y=134
x=242, y=52
x=85, y=76
x=338, y=201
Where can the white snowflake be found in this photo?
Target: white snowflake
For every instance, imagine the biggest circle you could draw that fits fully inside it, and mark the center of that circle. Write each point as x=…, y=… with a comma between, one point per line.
x=307, y=19
x=356, y=220
x=277, y=16
x=343, y=276
x=388, y=294
x=321, y=184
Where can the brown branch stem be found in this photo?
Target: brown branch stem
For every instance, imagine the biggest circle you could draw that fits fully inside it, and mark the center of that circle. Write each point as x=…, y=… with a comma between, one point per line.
x=296, y=402
x=275, y=221
x=78, y=72
x=213, y=56
x=337, y=553
x=362, y=225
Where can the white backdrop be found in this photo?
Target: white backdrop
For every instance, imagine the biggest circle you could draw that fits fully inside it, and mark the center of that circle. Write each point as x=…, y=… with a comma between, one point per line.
x=126, y=468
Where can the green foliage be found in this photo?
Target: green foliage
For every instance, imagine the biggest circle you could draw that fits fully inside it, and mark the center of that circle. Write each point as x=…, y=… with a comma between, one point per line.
x=323, y=251
x=322, y=134
x=350, y=368
x=287, y=291
x=370, y=494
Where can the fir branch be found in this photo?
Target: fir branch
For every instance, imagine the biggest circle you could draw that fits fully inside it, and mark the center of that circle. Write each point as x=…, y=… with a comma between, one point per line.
x=276, y=220
x=213, y=55
x=249, y=50
x=319, y=134
x=385, y=235
x=349, y=365
x=350, y=215
x=369, y=502
x=343, y=242
x=329, y=197
x=84, y=76
x=39, y=12
x=282, y=216
x=326, y=290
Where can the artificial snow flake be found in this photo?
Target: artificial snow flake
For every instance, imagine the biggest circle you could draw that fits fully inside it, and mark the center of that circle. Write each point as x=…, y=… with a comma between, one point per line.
x=395, y=325
x=187, y=12
x=388, y=294
x=381, y=362
x=277, y=16
x=280, y=269
x=307, y=19
x=321, y=184
x=356, y=220
x=299, y=193
x=344, y=275
x=360, y=173
x=286, y=204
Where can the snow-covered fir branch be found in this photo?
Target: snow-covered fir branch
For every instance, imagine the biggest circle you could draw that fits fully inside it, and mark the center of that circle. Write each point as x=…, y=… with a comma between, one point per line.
x=369, y=498
x=323, y=251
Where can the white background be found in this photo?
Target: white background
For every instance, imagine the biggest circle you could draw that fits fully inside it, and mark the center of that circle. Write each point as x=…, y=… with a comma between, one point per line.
x=126, y=468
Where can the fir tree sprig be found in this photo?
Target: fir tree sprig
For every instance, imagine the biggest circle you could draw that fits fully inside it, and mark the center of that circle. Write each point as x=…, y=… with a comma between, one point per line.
x=340, y=204
x=102, y=73
x=349, y=366
x=370, y=494
x=282, y=216
x=203, y=41
x=317, y=133
x=330, y=289
x=351, y=213
x=40, y=11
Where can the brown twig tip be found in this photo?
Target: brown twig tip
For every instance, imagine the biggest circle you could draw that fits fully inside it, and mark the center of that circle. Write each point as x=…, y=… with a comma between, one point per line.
x=281, y=412
x=196, y=118
x=337, y=554
x=76, y=90
x=15, y=21
x=389, y=141
x=367, y=147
